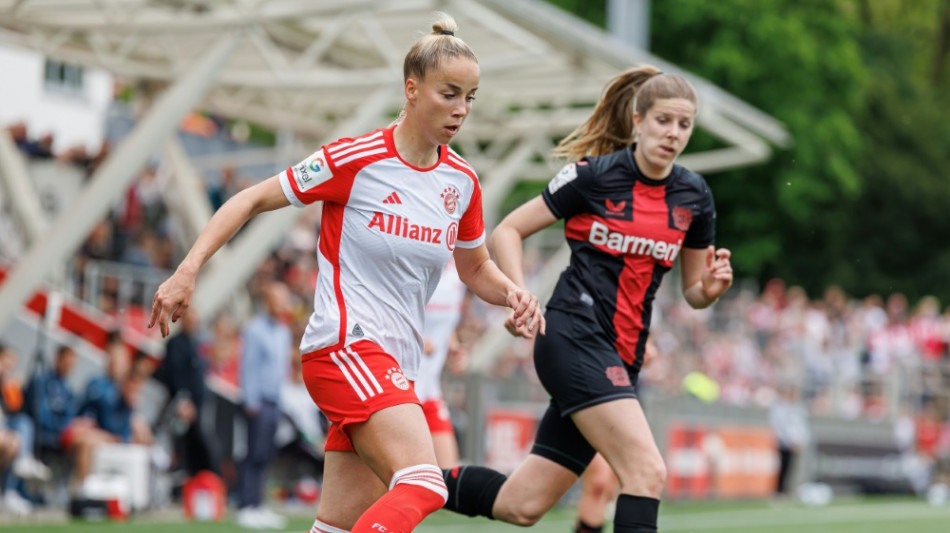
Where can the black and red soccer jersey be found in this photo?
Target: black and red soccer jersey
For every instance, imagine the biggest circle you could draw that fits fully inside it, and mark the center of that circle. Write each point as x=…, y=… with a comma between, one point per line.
x=625, y=230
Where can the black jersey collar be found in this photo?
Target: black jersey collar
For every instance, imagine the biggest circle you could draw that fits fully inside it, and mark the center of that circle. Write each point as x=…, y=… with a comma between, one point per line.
x=632, y=162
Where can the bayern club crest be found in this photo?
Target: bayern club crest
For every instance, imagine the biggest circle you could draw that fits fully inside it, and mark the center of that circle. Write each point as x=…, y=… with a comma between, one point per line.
x=450, y=199
x=397, y=378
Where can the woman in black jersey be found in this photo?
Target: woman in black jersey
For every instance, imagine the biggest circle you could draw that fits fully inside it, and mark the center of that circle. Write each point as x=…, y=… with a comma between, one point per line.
x=629, y=211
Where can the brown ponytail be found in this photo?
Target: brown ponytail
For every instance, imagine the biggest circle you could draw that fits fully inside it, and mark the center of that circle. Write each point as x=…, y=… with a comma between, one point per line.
x=610, y=126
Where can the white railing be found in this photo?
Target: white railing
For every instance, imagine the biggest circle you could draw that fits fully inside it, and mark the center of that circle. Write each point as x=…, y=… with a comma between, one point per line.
x=127, y=285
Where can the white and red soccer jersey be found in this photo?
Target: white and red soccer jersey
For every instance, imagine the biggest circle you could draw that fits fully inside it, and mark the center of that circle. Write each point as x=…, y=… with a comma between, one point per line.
x=388, y=229
x=443, y=313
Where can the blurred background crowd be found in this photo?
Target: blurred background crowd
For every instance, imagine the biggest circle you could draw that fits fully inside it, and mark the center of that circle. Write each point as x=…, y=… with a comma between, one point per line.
x=838, y=236
x=879, y=358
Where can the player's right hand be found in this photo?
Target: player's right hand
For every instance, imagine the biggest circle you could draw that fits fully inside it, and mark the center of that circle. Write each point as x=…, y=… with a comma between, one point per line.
x=527, y=318
x=171, y=299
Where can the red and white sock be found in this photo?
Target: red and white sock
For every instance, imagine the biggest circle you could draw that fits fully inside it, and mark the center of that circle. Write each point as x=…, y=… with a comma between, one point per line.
x=414, y=493
x=320, y=527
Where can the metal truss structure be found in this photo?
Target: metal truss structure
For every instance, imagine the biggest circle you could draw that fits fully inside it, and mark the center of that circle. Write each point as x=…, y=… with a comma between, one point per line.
x=322, y=69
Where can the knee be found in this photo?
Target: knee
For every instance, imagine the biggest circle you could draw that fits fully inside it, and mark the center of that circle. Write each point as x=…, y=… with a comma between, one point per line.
x=602, y=485
x=645, y=476
x=655, y=475
x=525, y=515
x=525, y=512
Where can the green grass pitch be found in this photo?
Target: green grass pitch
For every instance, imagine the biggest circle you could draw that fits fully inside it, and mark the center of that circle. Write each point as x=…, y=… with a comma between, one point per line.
x=846, y=516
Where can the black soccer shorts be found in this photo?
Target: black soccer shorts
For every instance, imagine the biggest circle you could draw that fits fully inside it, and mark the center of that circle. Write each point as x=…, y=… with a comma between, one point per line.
x=579, y=367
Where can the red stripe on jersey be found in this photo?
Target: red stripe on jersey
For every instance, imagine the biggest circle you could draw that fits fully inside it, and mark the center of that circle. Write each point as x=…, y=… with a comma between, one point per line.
x=472, y=225
x=631, y=289
x=649, y=210
x=631, y=285
x=330, y=234
x=578, y=229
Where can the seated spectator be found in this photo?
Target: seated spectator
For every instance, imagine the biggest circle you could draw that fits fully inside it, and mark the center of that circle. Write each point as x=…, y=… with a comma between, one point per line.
x=25, y=467
x=9, y=446
x=39, y=149
x=50, y=401
x=52, y=405
x=110, y=399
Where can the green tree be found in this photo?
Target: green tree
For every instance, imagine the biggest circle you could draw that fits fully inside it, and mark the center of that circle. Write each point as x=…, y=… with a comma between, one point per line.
x=901, y=212
x=862, y=85
x=800, y=62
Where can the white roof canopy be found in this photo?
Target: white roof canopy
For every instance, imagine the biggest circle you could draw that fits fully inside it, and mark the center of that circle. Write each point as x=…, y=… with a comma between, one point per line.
x=306, y=65
x=329, y=68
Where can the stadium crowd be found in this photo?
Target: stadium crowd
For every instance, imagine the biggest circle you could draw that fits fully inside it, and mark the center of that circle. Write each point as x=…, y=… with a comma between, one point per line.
x=879, y=358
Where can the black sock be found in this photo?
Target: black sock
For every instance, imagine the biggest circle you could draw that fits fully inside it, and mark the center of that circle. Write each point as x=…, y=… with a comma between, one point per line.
x=472, y=489
x=583, y=527
x=636, y=514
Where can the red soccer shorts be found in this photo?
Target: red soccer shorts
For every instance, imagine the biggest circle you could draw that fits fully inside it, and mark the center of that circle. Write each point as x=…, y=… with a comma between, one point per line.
x=352, y=383
x=437, y=416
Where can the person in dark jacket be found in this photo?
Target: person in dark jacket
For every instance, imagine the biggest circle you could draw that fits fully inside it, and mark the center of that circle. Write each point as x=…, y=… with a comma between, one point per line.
x=181, y=372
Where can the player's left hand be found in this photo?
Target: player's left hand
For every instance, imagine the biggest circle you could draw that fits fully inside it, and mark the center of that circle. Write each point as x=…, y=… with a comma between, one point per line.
x=717, y=276
x=526, y=318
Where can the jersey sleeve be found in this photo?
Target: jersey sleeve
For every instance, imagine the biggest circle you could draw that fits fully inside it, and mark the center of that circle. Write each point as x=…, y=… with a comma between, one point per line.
x=314, y=179
x=702, y=232
x=472, y=225
x=564, y=194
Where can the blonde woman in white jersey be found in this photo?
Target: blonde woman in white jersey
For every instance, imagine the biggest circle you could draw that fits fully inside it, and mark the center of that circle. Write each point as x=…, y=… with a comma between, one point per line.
x=443, y=313
x=398, y=203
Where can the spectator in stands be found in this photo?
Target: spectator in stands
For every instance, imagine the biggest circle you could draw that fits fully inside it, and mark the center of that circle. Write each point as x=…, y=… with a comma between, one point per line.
x=41, y=148
x=18, y=133
x=265, y=363
x=925, y=329
x=141, y=251
x=224, y=189
x=53, y=406
x=25, y=466
x=223, y=351
x=51, y=402
x=789, y=421
x=110, y=399
x=182, y=372
x=9, y=446
x=103, y=402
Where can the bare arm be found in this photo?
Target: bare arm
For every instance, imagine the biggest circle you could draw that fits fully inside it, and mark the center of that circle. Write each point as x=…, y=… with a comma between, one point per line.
x=174, y=295
x=508, y=238
x=483, y=277
x=706, y=274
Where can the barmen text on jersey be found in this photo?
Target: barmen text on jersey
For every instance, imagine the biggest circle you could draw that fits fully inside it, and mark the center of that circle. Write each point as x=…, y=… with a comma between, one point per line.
x=601, y=235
